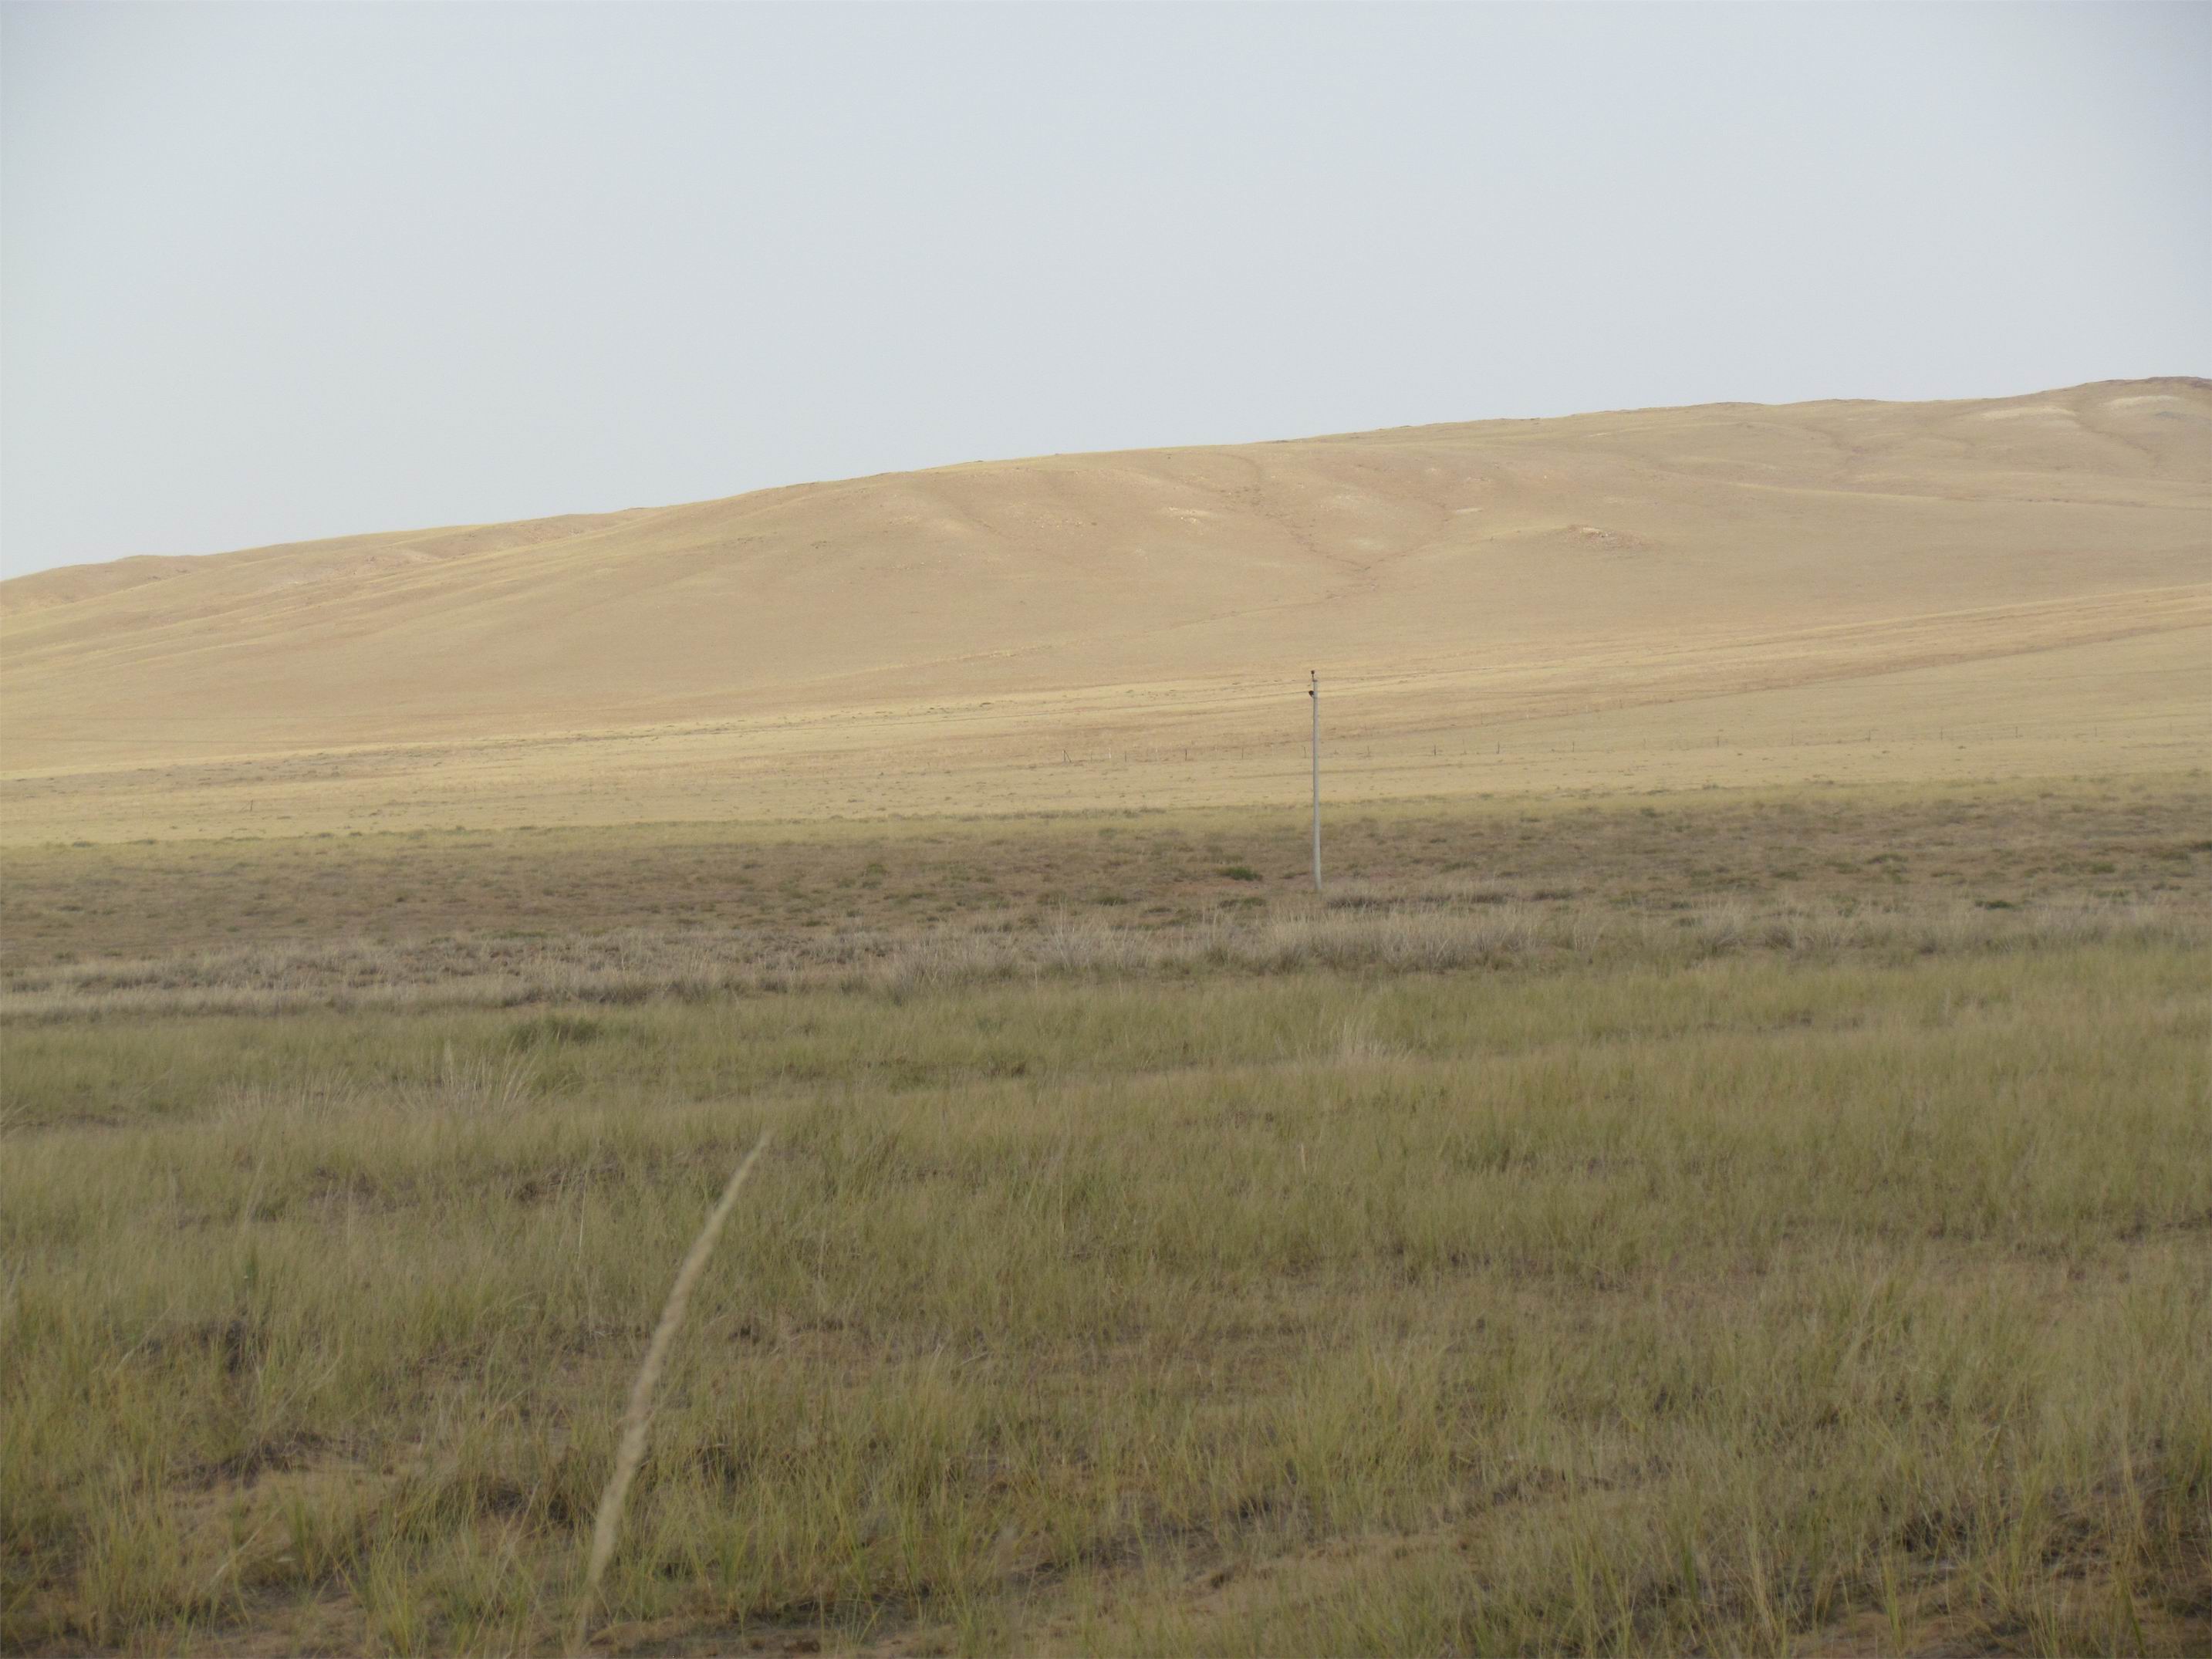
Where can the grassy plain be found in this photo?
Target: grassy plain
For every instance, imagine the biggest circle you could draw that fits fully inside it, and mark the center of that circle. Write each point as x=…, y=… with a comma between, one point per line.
x=614, y=913
x=1727, y=1167
x=1722, y=1222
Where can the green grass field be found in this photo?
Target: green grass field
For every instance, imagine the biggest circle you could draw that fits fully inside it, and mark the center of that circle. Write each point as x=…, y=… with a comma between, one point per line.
x=1754, y=1224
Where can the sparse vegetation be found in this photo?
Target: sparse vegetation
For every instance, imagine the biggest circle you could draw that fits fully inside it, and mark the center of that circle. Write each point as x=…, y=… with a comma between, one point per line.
x=693, y=910
x=1442, y=1268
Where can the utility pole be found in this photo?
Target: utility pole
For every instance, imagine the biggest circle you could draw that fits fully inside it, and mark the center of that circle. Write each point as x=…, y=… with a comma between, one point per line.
x=1313, y=690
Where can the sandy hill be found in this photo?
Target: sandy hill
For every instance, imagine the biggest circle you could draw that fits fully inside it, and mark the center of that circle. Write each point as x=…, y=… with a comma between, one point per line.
x=793, y=649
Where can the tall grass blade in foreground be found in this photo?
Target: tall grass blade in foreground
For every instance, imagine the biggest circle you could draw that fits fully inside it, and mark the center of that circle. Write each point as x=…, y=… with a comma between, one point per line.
x=637, y=1420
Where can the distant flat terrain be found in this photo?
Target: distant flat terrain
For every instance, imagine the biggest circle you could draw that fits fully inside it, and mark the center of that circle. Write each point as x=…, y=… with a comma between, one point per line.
x=1652, y=600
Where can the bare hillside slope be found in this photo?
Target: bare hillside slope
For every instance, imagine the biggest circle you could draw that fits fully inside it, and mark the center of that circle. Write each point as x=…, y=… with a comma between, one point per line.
x=1608, y=558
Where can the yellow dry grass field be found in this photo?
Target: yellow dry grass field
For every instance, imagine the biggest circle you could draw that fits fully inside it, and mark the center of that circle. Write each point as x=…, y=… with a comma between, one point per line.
x=1725, y=1166
x=1730, y=594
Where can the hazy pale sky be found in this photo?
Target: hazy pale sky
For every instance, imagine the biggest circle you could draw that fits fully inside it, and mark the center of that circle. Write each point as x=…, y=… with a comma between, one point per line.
x=275, y=272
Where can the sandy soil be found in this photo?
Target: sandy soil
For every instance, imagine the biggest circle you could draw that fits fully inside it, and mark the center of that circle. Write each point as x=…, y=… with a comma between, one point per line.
x=1665, y=599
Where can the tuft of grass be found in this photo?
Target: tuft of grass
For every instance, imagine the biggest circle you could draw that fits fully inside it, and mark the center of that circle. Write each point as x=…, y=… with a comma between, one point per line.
x=637, y=1418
